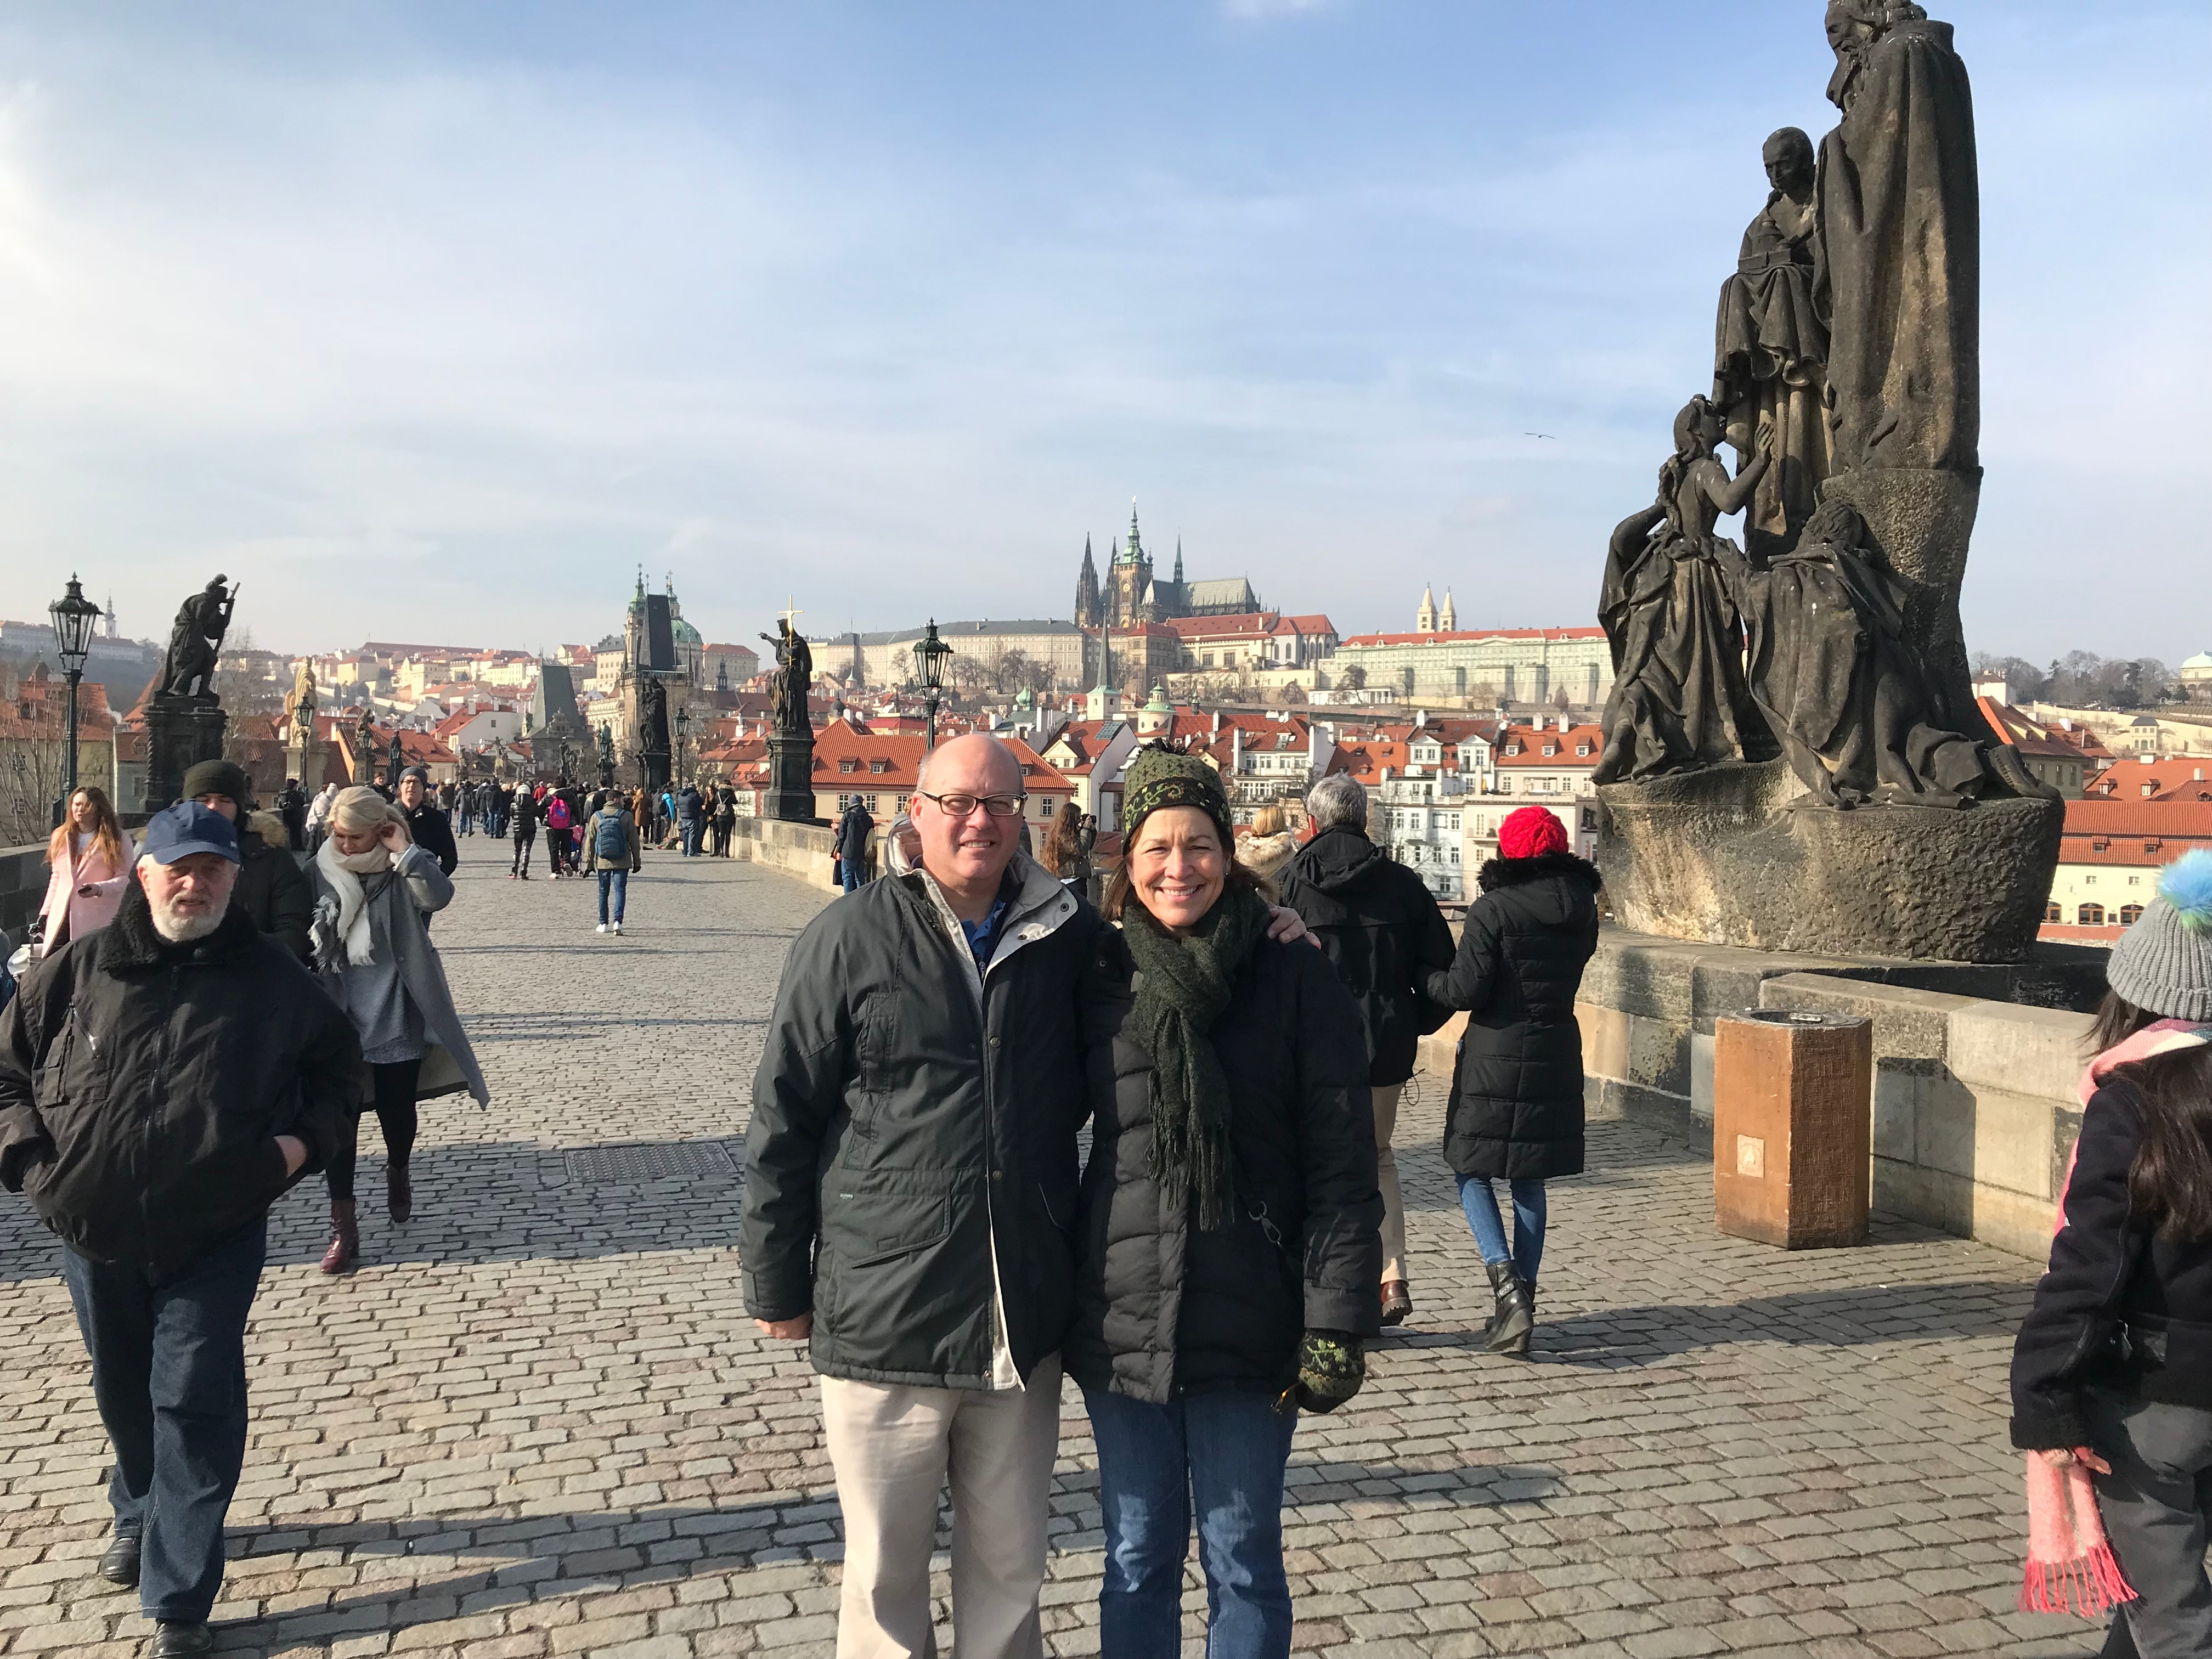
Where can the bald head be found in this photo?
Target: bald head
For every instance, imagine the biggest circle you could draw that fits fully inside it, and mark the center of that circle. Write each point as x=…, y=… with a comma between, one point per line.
x=966, y=853
x=983, y=764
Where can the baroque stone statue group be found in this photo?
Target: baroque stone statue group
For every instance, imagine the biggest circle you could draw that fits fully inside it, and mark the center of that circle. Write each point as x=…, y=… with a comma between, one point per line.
x=1820, y=668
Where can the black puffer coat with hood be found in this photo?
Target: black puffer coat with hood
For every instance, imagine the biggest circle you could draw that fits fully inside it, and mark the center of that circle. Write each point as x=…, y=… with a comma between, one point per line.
x=1516, y=1095
x=1378, y=924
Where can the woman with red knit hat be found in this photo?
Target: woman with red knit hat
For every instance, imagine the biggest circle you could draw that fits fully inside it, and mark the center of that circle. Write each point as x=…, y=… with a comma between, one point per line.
x=1517, y=1099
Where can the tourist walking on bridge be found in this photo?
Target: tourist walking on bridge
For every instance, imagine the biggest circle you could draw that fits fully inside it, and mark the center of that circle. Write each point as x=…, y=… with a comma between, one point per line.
x=2112, y=1375
x=1227, y=1232
x=611, y=852
x=558, y=819
x=374, y=890
x=272, y=890
x=1516, y=1113
x=163, y=1081
x=523, y=822
x=854, y=825
x=88, y=863
x=1379, y=925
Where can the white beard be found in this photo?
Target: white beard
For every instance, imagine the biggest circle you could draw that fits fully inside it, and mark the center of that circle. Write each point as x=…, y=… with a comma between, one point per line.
x=178, y=928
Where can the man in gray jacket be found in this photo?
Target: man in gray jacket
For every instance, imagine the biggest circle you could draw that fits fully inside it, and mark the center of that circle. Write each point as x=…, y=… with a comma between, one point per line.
x=911, y=1175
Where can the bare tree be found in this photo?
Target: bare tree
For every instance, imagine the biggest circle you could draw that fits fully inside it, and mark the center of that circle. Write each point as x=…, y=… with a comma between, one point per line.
x=30, y=780
x=1353, y=678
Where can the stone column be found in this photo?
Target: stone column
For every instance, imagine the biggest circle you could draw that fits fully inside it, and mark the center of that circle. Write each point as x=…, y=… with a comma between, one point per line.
x=180, y=733
x=790, y=794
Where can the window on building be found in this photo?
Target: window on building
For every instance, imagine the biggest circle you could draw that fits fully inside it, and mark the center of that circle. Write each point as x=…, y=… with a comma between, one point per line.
x=877, y=764
x=2131, y=915
x=2053, y=913
x=1044, y=806
x=2090, y=915
x=900, y=807
x=2088, y=881
x=849, y=763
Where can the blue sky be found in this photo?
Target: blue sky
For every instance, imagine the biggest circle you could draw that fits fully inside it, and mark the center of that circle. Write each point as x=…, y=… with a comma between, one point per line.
x=435, y=322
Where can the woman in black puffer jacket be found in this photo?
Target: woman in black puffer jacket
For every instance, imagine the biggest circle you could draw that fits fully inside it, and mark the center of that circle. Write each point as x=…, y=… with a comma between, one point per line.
x=1229, y=1236
x=1517, y=1099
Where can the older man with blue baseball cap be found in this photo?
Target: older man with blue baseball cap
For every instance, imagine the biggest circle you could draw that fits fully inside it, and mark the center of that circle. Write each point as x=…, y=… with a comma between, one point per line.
x=162, y=1082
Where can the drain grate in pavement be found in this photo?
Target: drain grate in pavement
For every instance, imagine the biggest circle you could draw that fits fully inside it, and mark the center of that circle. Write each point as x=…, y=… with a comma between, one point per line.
x=629, y=1163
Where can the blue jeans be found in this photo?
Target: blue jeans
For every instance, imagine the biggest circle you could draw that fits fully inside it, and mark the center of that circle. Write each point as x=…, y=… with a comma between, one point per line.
x=614, y=881
x=1480, y=1204
x=168, y=1374
x=852, y=873
x=693, y=827
x=1229, y=1449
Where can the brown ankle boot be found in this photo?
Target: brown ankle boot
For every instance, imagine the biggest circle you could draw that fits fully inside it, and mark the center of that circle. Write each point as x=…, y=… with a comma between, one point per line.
x=398, y=1192
x=345, y=1237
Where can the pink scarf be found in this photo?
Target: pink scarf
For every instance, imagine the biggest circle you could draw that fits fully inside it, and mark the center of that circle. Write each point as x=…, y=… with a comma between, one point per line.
x=2069, y=1561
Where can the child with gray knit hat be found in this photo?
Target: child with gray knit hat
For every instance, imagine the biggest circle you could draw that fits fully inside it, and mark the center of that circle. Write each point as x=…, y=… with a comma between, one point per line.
x=2112, y=1375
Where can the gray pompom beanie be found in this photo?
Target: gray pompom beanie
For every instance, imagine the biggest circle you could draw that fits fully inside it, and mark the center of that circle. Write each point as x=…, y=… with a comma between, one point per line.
x=2164, y=961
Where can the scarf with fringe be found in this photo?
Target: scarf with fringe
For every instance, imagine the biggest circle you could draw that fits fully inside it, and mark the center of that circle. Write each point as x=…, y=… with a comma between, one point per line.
x=2070, y=1565
x=343, y=871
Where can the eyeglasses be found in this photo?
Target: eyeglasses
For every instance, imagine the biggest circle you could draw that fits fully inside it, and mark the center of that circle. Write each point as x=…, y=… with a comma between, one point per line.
x=961, y=806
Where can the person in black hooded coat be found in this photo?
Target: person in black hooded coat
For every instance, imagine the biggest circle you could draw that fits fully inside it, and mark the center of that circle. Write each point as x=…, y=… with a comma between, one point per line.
x=1516, y=1113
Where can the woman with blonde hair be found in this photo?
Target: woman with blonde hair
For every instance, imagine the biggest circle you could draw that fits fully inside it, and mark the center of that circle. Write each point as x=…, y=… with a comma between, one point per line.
x=1271, y=845
x=373, y=888
x=88, y=859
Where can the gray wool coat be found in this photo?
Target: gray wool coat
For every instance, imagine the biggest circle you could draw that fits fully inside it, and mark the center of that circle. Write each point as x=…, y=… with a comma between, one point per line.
x=423, y=888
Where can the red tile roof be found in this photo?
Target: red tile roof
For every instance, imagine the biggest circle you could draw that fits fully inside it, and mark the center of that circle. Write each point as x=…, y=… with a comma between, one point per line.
x=1565, y=746
x=2185, y=778
x=2139, y=834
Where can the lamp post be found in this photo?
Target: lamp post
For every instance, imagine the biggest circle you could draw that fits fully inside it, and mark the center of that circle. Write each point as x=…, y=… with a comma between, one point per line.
x=929, y=655
x=682, y=732
x=73, y=616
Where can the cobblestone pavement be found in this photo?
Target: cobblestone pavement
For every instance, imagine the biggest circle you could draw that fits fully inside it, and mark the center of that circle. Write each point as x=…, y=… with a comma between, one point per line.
x=536, y=1421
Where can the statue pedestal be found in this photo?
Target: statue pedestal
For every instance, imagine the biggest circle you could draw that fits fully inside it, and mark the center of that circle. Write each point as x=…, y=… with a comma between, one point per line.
x=1719, y=855
x=790, y=794
x=180, y=733
x=656, y=767
x=304, y=761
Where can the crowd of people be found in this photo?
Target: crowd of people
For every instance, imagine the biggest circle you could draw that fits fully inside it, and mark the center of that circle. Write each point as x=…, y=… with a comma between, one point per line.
x=1234, y=1021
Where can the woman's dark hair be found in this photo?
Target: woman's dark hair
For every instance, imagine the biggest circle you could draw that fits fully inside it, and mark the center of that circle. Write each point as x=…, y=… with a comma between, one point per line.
x=1121, y=891
x=2171, y=1179
x=1063, y=843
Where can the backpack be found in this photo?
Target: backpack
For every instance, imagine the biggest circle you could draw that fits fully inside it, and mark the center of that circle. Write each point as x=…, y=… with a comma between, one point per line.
x=557, y=813
x=609, y=838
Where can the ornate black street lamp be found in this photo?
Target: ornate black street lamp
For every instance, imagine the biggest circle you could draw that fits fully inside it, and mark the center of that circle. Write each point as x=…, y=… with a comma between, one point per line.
x=929, y=655
x=682, y=732
x=73, y=616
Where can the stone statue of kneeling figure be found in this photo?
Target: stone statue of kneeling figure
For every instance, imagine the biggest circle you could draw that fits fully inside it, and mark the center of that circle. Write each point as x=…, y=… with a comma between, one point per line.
x=1830, y=668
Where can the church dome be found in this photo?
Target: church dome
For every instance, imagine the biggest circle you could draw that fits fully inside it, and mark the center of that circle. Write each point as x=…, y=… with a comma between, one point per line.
x=685, y=634
x=2201, y=663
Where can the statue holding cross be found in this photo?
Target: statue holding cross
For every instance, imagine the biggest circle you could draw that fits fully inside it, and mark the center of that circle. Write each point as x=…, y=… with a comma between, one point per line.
x=793, y=675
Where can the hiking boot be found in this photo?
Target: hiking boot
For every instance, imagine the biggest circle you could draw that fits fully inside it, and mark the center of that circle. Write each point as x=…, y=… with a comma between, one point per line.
x=345, y=1237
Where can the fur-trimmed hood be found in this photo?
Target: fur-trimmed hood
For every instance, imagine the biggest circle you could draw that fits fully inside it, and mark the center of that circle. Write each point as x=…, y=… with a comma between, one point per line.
x=1513, y=873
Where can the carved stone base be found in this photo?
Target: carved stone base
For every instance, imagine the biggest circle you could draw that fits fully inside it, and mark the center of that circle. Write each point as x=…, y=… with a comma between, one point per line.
x=790, y=794
x=1720, y=856
x=1921, y=522
x=180, y=733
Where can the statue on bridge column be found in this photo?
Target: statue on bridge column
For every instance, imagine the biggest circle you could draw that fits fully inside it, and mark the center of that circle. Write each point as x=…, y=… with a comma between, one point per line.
x=793, y=679
x=196, y=641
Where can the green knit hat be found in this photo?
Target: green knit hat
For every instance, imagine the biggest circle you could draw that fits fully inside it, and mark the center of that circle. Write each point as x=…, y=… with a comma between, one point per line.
x=1160, y=776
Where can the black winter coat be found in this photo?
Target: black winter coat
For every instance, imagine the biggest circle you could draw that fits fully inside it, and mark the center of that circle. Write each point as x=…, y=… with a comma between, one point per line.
x=1163, y=1309
x=1378, y=923
x=275, y=892
x=2121, y=1307
x=142, y=1086
x=1517, y=1095
x=433, y=833
x=914, y=1127
x=852, y=831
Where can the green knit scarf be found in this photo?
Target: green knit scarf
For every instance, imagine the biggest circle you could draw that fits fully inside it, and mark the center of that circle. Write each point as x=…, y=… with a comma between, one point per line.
x=1183, y=990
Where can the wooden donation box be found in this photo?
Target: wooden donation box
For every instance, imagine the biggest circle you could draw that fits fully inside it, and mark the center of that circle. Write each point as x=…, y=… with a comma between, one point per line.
x=1792, y=1127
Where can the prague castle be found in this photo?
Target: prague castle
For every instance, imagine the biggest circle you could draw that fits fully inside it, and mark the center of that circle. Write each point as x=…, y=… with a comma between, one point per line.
x=1132, y=594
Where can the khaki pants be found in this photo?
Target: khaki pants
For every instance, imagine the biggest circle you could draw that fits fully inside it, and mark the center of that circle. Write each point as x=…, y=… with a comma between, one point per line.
x=893, y=1449
x=1386, y=1177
